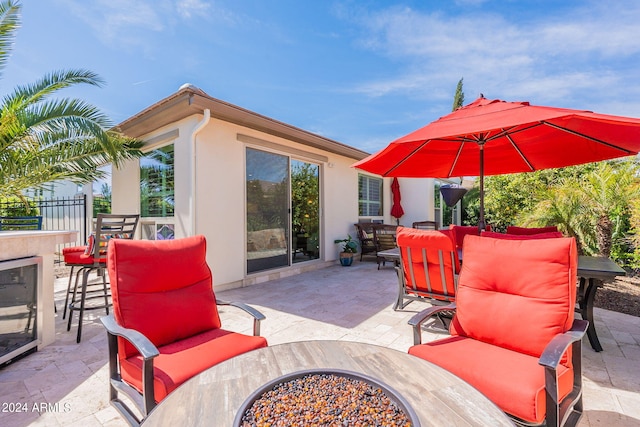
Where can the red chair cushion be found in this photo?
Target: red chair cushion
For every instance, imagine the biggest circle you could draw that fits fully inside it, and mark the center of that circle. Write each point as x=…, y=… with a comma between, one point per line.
x=80, y=258
x=162, y=289
x=184, y=359
x=514, y=381
x=72, y=249
x=511, y=229
x=434, y=243
x=516, y=294
x=545, y=235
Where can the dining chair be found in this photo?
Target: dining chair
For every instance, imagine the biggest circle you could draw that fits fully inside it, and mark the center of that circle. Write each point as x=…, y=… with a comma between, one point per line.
x=428, y=267
x=384, y=238
x=425, y=225
x=165, y=327
x=513, y=335
x=364, y=233
x=93, y=258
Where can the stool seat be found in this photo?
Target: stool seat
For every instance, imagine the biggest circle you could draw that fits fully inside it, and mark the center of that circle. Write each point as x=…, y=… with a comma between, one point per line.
x=80, y=258
x=72, y=249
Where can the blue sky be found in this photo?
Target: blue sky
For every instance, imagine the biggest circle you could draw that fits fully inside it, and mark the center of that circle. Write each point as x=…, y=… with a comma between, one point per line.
x=361, y=72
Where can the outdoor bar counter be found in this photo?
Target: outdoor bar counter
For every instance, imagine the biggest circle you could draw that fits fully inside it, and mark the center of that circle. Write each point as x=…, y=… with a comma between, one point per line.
x=23, y=245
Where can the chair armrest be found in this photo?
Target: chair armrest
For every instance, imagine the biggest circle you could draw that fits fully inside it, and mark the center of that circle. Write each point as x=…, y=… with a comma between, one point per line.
x=257, y=316
x=418, y=319
x=147, y=350
x=145, y=347
x=553, y=352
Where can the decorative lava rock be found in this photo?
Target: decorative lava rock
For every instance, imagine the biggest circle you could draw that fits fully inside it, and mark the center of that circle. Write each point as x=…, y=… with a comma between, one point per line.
x=323, y=399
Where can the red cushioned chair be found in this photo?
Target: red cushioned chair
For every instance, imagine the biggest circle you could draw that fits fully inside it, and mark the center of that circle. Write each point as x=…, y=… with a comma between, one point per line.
x=90, y=258
x=513, y=336
x=428, y=266
x=165, y=326
x=511, y=229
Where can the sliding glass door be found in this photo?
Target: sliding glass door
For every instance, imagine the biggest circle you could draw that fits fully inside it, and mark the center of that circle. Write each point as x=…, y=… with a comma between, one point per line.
x=305, y=210
x=283, y=224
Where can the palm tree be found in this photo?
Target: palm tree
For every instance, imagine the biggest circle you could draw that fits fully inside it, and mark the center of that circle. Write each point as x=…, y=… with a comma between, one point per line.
x=608, y=192
x=44, y=139
x=588, y=207
x=562, y=205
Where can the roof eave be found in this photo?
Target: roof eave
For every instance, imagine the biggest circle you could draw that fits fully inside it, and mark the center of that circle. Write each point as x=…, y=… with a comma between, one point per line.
x=191, y=100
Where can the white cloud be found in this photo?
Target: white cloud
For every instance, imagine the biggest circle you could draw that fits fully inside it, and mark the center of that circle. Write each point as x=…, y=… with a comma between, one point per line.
x=132, y=25
x=189, y=8
x=580, y=55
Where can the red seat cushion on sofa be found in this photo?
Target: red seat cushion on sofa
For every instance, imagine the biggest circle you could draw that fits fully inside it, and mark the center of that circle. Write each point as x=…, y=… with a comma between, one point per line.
x=182, y=360
x=514, y=381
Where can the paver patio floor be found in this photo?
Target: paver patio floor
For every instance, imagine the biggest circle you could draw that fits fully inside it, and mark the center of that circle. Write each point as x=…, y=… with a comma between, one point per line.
x=65, y=384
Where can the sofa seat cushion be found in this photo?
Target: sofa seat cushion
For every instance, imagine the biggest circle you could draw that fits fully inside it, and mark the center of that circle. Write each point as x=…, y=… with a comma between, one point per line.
x=184, y=359
x=513, y=381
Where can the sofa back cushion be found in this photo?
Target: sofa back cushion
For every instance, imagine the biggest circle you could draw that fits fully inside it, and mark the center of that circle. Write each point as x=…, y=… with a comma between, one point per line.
x=162, y=288
x=516, y=294
x=545, y=235
x=459, y=232
x=511, y=229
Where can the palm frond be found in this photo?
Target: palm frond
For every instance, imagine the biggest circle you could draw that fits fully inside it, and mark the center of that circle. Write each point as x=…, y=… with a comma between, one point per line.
x=9, y=23
x=25, y=95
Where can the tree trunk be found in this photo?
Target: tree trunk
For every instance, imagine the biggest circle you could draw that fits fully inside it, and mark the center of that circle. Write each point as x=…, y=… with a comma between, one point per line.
x=604, y=235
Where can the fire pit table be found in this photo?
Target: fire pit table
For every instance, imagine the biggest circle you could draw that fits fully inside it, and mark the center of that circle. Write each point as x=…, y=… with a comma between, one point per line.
x=433, y=395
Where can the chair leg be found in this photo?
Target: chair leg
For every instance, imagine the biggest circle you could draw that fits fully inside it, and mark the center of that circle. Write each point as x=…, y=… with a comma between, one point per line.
x=105, y=290
x=83, y=297
x=66, y=299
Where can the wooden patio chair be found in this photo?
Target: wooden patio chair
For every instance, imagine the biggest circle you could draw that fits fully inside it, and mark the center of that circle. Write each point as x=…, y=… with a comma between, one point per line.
x=364, y=233
x=384, y=238
x=425, y=225
x=428, y=267
x=165, y=327
x=513, y=336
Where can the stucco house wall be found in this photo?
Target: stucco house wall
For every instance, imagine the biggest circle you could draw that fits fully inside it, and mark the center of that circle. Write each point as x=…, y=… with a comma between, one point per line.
x=209, y=170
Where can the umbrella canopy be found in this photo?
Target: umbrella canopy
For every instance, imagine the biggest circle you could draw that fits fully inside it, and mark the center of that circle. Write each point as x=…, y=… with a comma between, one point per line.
x=494, y=137
x=396, y=209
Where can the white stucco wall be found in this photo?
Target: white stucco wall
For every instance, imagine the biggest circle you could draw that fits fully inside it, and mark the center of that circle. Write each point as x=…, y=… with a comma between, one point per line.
x=220, y=192
x=416, y=200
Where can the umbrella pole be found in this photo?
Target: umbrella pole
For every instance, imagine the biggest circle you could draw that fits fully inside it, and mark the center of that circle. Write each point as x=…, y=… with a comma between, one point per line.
x=481, y=223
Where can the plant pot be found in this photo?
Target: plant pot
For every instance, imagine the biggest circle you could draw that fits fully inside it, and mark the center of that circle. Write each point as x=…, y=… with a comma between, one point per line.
x=346, y=258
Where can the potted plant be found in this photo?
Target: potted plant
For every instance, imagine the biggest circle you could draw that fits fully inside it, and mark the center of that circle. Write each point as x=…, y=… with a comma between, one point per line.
x=348, y=248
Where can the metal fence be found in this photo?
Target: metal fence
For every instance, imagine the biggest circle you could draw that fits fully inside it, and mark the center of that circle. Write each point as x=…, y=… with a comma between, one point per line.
x=62, y=213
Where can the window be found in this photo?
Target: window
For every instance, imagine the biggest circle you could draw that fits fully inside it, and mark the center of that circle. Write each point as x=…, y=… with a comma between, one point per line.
x=157, y=184
x=369, y=196
x=157, y=202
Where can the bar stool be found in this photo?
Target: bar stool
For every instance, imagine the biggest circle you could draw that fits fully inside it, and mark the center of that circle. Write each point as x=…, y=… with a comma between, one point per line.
x=94, y=258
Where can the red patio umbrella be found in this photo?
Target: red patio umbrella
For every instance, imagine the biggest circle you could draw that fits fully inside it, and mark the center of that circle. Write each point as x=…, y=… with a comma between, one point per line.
x=396, y=209
x=494, y=137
